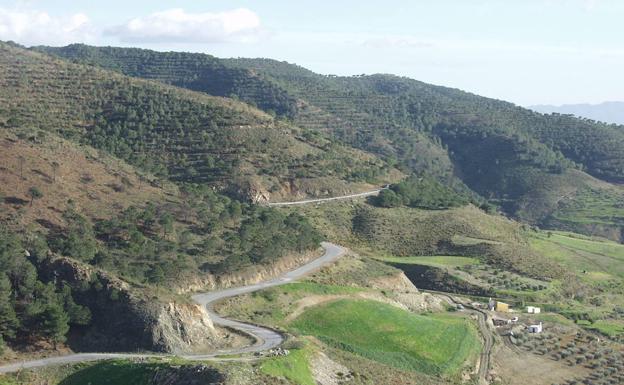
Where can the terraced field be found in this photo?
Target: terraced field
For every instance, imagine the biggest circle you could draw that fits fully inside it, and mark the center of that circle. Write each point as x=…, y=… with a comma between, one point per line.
x=595, y=258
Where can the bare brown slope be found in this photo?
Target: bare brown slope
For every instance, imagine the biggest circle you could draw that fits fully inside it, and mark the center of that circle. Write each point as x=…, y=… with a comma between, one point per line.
x=95, y=184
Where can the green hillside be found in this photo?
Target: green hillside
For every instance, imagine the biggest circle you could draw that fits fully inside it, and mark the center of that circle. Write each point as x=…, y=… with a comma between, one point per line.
x=183, y=135
x=450, y=114
x=126, y=178
x=84, y=235
x=521, y=160
x=197, y=72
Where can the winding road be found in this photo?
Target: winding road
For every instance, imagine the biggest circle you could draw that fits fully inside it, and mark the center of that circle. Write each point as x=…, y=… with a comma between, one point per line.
x=266, y=338
x=321, y=200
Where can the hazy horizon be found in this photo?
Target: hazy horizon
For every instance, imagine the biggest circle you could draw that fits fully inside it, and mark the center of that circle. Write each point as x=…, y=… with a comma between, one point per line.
x=608, y=112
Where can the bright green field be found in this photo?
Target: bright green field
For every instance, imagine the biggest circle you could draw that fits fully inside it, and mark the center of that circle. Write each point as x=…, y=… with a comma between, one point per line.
x=434, y=260
x=608, y=327
x=597, y=257
x=438, y=344
x=293, y=367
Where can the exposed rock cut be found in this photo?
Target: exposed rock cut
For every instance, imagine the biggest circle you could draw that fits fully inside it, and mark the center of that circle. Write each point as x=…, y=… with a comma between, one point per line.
x=130, y=319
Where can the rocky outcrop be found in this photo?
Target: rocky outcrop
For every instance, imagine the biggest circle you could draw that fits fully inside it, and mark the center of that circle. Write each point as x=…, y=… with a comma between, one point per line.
x=125, y=318
x=397, y=282
x=249, y=190
x=405, y=293
x=183, y=328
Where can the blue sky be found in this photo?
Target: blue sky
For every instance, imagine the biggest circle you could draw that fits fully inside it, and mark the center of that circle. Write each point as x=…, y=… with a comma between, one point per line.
x=527, y=52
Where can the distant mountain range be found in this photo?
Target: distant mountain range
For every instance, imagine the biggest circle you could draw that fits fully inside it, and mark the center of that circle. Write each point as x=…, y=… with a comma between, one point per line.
x=609, y=112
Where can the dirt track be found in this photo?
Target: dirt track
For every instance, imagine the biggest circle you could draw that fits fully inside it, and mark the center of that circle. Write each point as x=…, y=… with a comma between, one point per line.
x=486, y=333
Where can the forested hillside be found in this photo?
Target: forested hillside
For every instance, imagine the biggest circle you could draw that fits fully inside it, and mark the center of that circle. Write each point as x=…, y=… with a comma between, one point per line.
x=367, y=111
x=197, y=72
x=451, y=114
x=521, y=160
x=174, y=133
x=63, y=200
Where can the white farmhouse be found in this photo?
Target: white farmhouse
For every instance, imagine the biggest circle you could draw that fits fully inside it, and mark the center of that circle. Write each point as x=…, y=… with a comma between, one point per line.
x=535, y=328
x=533, y=310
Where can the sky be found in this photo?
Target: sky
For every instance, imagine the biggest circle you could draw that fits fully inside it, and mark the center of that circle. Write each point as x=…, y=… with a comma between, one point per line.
x=524, y=51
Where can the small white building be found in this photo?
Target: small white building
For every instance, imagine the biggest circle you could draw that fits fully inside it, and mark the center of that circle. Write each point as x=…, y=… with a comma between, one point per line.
x=535, y=328
x=491, y=304
x=533, y=310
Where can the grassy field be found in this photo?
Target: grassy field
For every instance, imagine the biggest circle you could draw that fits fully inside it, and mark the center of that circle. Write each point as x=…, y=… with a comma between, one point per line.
x=600, y=206
x=433, y=260
x=609, y=328
x=597, y=263
x=145, y=372
x=117, y=372
x=430, y=344
x=112, y=372
x=582, y=254
x=272, y=306
x=294, y=367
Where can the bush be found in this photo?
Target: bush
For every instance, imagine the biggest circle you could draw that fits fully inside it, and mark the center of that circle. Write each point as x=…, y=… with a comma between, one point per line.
x=424, y=192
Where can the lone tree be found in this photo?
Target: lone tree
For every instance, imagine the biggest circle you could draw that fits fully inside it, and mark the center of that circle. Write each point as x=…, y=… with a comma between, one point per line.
x=166, y=222
x=34, y=193
x=55, y=167
x=20, y=161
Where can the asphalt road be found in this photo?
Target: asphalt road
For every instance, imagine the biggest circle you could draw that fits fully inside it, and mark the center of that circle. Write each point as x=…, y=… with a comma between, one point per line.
x=321, y=200
x=266, y=338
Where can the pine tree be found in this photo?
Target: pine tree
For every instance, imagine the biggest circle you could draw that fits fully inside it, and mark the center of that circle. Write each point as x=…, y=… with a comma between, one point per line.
x=34, y=193
x=54, y=322
x=8, y=319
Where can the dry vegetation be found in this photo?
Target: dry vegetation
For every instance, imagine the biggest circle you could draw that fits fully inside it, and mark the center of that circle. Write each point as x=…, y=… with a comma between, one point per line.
x=90, y=181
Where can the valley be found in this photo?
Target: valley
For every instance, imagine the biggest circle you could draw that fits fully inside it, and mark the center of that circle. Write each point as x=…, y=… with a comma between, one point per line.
x=176, y=218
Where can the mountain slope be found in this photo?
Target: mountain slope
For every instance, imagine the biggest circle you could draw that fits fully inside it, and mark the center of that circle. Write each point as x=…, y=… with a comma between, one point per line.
x=378, y=111
x=85, y=237
x=198, y=72
x=608, y=112
x=187, y=136
x=521, y=160
x=448, y=112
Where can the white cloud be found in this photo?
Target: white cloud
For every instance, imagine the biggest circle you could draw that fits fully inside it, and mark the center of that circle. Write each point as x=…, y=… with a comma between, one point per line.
x=31, y=27
x=178, y=26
